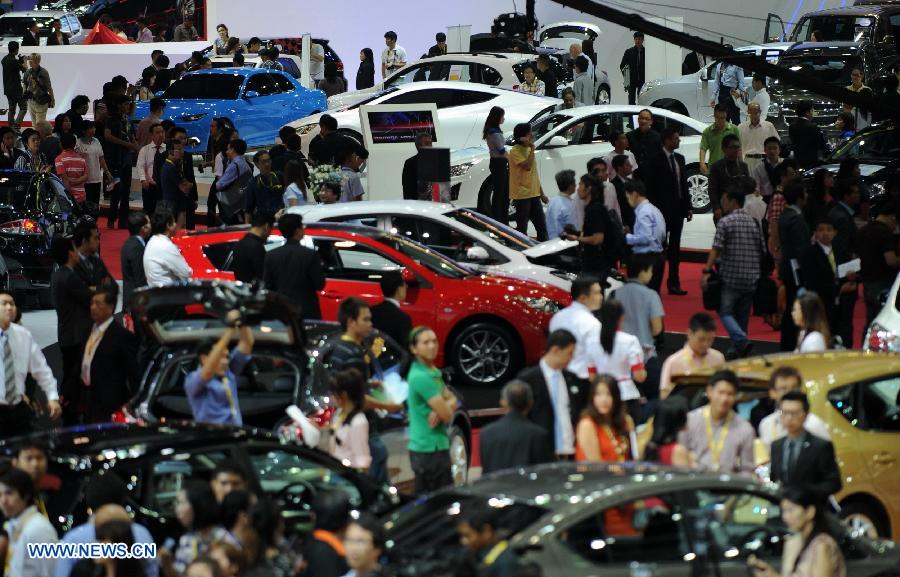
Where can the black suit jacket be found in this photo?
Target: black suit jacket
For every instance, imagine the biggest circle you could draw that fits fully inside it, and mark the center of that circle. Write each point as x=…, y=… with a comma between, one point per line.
x=814, y=466
x=662, y=187
x=817, y=276
x=845, y=239
x=249, y=258
x=514, y=441
x=133, y=276
x=636, y=66
x=542, y=412
x=807, y=141
x=29, y=39
x=794, y=234
x=115, y=375
x=627, y=212
x=410, y=178
x=551, y=83
x=296, y=272
x=392, y=321
x=72, y=300
x=93, y=271
x=644, y=145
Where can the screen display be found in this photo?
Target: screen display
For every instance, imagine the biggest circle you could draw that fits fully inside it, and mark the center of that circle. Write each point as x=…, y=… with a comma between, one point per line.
x=400, y=126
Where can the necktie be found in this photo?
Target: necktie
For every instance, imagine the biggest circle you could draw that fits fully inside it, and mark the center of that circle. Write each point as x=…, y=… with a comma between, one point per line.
x=93, y=340
x=554, y=395
x=788, y=461
x=9, y=370
x=831, y=261
x=675, y=173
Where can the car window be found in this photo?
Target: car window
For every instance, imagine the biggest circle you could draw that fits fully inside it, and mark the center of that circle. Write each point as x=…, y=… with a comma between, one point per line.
x=169, y=476
x=871, y=405
x=74, y=24
x=873, y=145
x=508, y=237
x=205, y=86
x=284, y=85
x=738, y=522
x=445, y=239
x=290, y=67
x=355, y=219
x=414, y=73
x=682, y=128
x=467, y=97
x=291, y=475
x=645, y=530
x=594, y=129
x=348, y=260
x=64, y=25
x=490, y=76
x=573, y=32
x=441, y=98
x=263, y=84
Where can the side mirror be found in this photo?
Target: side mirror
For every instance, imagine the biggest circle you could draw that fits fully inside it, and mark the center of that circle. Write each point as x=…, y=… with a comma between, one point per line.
x=193, y=142
x=251, y=94
x=409, y=277
x=557, y=142
x=704, y=73
x=477, y=254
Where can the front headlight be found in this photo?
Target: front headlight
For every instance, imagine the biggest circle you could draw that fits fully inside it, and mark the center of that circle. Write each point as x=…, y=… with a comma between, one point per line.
x=461, y=169
x=542, y=304
x=193, y=117
x=306, y=129
x=650, y=85
x=877, y=189
x=879, y=338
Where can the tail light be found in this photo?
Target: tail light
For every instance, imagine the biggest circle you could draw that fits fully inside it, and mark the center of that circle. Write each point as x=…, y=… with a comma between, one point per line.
x=123, y=415
x=21, y=226
x=879, y=338
x=339, y=65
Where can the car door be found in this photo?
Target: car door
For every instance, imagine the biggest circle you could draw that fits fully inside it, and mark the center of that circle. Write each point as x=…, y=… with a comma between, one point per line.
x=261, y=109
x=288, y=102
x=445, y=239
x=586, y=138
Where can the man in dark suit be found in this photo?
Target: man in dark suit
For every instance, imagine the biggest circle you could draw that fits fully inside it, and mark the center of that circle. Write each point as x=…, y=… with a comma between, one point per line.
x=412, y=187
x=513, y=440
x=90, y=267
x=548, y=76
x=133, y=276
x=249, y=255
x=294, y=270
x=847, y=198
x=793, y=231
x=801, y=459
x=634, y=59
x=388, y=316
x=72, y=300
x=31, y=38
x=559, y=396
x=622, y=166
x=108, y=368
x=818, y=269
x=666, y=181
x=179, y=134
x=807, y=139
x=644, y=142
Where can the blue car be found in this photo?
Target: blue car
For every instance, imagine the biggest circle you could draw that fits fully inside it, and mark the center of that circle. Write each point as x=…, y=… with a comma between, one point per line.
x=257, y=101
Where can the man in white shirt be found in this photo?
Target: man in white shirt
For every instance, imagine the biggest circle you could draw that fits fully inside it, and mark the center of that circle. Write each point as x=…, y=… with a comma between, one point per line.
x=753, y=133
x=578, y=318
x=144, y=35
x=25, y=525
x=316, y=62
x=393, y=57
x=619, y=141
x=575, y=51
x=783, y=381
x=146, y=159
x=757, y=94
x=163, y=263
x=19, y=357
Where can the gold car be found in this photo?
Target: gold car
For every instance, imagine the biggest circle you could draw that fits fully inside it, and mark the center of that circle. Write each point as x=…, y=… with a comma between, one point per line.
x=857, y=395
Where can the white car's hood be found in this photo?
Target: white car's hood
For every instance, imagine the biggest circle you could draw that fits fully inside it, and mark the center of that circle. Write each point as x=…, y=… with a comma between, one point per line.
x=549, y=247
x=346, y=99
x=461, y=155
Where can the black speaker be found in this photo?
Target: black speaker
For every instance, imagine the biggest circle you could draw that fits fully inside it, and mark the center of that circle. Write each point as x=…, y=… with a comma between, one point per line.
x=434, y=164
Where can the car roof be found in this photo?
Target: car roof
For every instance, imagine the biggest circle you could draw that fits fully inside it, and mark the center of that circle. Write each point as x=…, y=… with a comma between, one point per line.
x=38, y=13
x=463, y=86
x=858, y=10
x=580, y=111
x=593, y=27
x=421, y=207
x=368, y=231
x=238, y=71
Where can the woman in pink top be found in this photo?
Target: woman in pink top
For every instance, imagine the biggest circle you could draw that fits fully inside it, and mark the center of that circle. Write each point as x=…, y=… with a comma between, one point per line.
x=350, y=428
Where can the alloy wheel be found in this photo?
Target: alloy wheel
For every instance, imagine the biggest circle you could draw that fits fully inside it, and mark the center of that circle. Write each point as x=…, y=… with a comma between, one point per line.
x=459, y=457
x=484, y=356
x=698, y=187
x=861, y=524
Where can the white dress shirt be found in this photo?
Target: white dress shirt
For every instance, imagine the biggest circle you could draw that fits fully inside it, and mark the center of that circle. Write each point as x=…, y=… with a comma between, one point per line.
x=29, y=527
x=581, y=322
x=771, y=429
x=759, y=174
x=163, y=263
x=97, y=332
x=146, y=156
x=762, y=98
x=610, y=200
x=753, y=137
x=610, y=171
x=559, y=396
x=27, y=359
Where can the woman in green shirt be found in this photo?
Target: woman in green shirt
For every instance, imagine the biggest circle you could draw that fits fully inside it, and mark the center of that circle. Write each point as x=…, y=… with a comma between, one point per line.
x=431, y=406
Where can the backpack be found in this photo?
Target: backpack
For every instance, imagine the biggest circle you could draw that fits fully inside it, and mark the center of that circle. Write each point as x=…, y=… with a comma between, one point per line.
x=617, y=247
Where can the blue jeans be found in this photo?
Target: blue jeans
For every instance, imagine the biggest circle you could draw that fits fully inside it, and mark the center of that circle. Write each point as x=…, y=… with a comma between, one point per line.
x=378, y=470
x=735, y=313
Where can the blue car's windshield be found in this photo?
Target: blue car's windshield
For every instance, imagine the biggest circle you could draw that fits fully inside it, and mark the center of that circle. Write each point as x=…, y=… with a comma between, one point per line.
x=206, y=87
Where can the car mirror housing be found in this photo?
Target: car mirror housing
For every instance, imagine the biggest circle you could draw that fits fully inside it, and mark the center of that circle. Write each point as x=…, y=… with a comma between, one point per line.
x=558, y=142
x=409, y=277
x=251, y=94
x=477, y=254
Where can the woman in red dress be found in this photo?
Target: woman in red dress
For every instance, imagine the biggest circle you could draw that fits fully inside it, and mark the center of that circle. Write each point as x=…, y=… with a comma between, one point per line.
x=604, y=429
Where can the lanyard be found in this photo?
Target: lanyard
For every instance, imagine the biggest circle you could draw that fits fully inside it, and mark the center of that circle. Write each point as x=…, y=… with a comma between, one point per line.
x=495, y=553
x=718, y=443
x=618, y=444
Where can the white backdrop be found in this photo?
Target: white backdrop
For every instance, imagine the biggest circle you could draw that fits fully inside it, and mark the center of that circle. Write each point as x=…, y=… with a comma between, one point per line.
x=351, y=25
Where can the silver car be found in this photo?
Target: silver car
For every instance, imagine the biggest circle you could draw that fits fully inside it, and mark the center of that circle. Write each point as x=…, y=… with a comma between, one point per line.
x=13, y=26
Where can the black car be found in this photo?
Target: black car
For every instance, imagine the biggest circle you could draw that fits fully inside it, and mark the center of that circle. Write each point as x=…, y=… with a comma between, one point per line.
x=34, y=207
x=155, y=461
x=285, y=369
x=294, y=46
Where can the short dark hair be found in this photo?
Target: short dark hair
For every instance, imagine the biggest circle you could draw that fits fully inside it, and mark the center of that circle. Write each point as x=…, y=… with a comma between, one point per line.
x=784, y=373
x=581, y=286
x=782, y=169
x=390, y=282
x=594, y=162
x=803, y=107
x=702, y=322
x=162, y=61
x=518, y=395
x=83, y=231
x=292, y=141
x=60, y=247
x=351, y=383
x=289, y=223
x=793, y=192
x=797, y=396
x=259, y=154
x=638, y=263
x=229, y=466
x=234, y=503
x=582, y=63
x=565, y=179
x=105, y=488
x=203, y=347
x=20, y=482
x=735, y=194
x=328, y=121
x=479, y=517
x=721, y=107
x=772, y=139
x=728, y=139
x=638, y=34
x=668, y=133
x=760, y=77
x=635, y=186
x=619, y=161
x=561, y=339
x=350, y=309
x=239, y=146
x=824, y=220
x=136, y=221
x=67, y=141
x=262, y=218
x=110, y=294
x=844, y=188
x=161, y=220
x=157, y=103
x=391, y=35
x=33, y=443
x=204, y=505
x=724, y=375
x=368, y=522
x=521, y=130
x=331, y=509
x=440, y=37
x=80, y=101
x=254, y=40
x=13, y=47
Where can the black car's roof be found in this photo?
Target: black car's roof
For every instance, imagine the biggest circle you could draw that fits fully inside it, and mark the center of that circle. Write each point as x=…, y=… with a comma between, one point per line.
x=824, y=47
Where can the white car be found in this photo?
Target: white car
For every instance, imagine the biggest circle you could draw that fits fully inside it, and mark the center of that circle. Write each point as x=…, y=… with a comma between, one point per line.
x=458, y=233
x=568, y=139
x=462, y=109
x=13, y=26
x=884, y=332
x=501, y=70
x=690, y=94
x=561, y=35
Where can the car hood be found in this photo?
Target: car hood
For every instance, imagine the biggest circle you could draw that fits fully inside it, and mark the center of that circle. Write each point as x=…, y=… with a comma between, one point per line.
x=463, y=155
x=196, y=310
x=866, y=169
x=549, y=247
x=788, y=96
x=521, y=286
x=339, y=101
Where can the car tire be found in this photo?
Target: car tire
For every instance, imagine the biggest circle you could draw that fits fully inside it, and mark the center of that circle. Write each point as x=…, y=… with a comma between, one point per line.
x=485, y=354
x=866, y=518
x=698, y=188
x=603, y=93
x=460, y=455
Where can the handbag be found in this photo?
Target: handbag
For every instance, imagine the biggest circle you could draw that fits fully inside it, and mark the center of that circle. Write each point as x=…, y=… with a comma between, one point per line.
x=712, y=294
x=231, y=199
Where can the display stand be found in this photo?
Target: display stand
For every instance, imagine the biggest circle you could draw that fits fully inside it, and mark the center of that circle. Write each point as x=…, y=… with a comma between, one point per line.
x=458, y=37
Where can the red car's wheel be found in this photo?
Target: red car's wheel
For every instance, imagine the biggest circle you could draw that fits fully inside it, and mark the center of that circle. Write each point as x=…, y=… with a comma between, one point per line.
x=485, y=353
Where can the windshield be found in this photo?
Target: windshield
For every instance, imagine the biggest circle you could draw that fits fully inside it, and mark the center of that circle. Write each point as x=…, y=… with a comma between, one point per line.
x=829, y=68
x=875, y=145
x=206, y=87
x=18, y=25
x=230, y=64
x=506, y=236
x=834, y=28
x=433, y=261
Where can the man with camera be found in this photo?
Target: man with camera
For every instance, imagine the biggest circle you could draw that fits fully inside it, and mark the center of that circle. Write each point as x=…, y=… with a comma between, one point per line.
x=13, y=67
x=38, y=90
x=212, y=387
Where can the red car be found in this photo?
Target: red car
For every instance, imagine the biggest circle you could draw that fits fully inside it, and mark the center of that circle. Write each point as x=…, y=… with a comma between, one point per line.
x=489, y=326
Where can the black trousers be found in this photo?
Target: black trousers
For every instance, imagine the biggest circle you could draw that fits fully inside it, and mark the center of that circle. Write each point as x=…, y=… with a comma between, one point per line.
x=499, y=201
x=844, y=328
x=121, y=194
x=674, y=226
x=149, y=198
x=212, y=203
x=15, y=420
x=789, y=331
x=531, y=209
x=659, y=268
x=633, y=94
x=92, y=192
x=432, y=470
x=734, y=113
x=70, y=386
x=190, y=209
